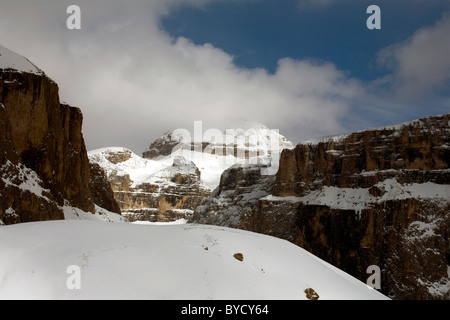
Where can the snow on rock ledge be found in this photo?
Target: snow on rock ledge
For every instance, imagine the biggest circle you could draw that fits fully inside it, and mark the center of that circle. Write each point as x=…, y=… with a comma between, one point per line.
x=163, y=190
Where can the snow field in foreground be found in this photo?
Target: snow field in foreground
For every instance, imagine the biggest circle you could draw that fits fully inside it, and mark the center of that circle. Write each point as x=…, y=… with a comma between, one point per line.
x=179, y=261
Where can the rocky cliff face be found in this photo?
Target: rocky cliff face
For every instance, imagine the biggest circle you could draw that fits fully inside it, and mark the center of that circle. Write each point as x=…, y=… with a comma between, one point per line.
x=43, y=159
x=101, y=191
x=232, y=203
x=148, y=190
x=362, y=158
x=377, y=197
x=158, y=188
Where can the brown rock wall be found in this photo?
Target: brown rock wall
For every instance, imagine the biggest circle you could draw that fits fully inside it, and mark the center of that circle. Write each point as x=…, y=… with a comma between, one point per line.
x=406, y=236
x=43, y=145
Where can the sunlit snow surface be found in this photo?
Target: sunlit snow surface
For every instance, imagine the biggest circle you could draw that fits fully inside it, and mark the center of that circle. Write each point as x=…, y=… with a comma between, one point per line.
x=12, y=60
x=142, y=170
x=175, y=261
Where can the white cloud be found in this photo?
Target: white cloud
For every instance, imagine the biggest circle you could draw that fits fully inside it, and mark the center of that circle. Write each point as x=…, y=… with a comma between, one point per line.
x=133, y=81
x=420, y=65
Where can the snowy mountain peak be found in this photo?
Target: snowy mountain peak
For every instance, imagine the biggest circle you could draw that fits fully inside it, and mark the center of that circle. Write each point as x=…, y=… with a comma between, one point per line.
x=113, y=155
x=249, y=137
x=184, y=165
x=180, y=167
x=248, y=124
x=12, y=60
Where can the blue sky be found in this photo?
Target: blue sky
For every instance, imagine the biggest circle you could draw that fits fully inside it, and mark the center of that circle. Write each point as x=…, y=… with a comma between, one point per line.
x=309, y=68
x=259, y=33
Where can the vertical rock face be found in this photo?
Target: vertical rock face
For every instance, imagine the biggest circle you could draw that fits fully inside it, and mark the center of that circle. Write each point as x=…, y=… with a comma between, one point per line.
x=342, y=161
x=43, y=158
x=101, y=191
x=231, y=204
x=376, y=197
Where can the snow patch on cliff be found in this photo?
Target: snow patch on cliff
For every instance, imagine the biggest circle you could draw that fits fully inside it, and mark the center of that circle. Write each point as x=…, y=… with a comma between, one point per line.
x=21, y=177
x=361, y=198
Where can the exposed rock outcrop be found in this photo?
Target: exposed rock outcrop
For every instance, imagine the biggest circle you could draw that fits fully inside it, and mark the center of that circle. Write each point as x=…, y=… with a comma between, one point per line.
x=248, y=140
x=232, y=203
x=422, y=145
x=376, y=197
x=155, y=189
x=43, y=159
x=148, y=190
x=101, y=191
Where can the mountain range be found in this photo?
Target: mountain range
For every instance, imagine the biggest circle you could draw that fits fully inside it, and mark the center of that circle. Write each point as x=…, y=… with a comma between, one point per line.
x=56, y=200
x=375, y=197
x=173, y=176
x=222, y=204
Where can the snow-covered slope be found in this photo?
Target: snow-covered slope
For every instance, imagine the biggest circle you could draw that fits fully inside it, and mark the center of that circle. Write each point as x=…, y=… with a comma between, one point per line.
x=129, y=261
x=12, y=60
x=122, y=161
x=163, y=189
x=251, y=137
x=218, y=150
x=255, y=137
x=246, y=139
x=143, y=170
x=177, y=172
x=101, y=214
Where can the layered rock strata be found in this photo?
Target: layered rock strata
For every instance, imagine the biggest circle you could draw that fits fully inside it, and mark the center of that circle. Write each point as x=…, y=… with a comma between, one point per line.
x=376, y=197
x=148, y=190
x=43, y=159
x=232, y=203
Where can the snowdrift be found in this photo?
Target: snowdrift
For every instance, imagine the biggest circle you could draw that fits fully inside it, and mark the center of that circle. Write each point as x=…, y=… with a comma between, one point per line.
x=177, y=261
